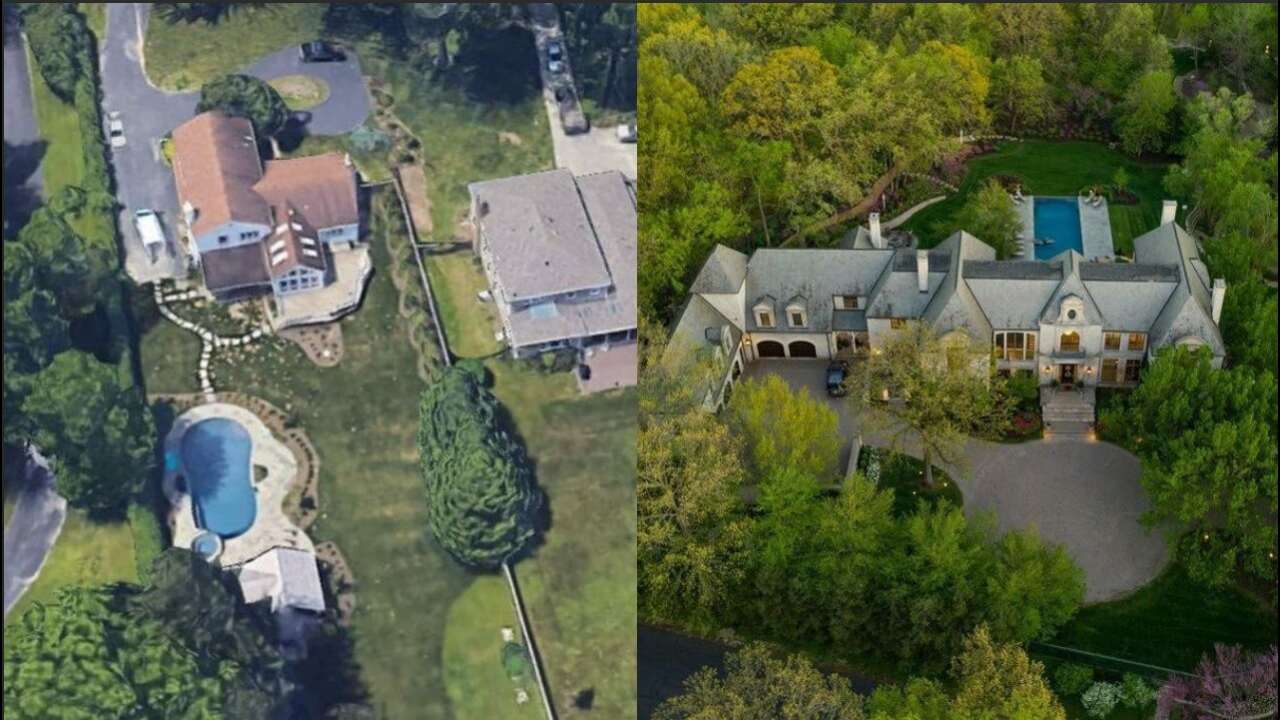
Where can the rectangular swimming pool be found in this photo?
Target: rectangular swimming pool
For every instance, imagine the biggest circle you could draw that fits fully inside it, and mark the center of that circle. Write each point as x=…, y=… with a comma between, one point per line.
x=1057, y=219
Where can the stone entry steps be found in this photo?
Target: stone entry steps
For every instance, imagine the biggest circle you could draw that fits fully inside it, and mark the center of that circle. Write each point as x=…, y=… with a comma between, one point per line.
x=1063, y=410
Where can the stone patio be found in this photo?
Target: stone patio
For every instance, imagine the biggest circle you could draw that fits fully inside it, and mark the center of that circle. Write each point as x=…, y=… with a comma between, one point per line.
x=611, y=368
x=271, y=527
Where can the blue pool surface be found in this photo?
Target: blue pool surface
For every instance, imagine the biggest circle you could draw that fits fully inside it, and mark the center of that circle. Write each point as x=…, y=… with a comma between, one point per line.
x=1057, y=219
x=215, y=458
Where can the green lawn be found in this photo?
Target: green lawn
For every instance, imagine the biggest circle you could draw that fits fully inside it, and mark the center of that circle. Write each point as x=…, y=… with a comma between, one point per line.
x=469, y=324
x=478, y=685
x=63, y=161
x=86, y=553
x=170, y=357
x=1170, y=623
x=1055, y=168
x=580, y=586
x=184, y=56
x=460, y=137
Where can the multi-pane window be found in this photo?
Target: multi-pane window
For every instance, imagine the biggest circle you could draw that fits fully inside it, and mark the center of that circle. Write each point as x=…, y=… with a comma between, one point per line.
x=1110, y=370
x=897, y=323
x=1131, y=371
x=764, y=318
x=846, y=302
x=1137, y=341
x=1070, y=341
x=1111, y=340
x=1015, y=345
x=797, y=318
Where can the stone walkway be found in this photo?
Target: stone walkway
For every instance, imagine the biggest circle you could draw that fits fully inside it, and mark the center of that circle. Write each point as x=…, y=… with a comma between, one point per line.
x=208, y=340
x=1080, y=493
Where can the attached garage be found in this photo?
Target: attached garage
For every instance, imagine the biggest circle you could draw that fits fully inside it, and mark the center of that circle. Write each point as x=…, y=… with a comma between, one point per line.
x=802, y=349
x=770, y=349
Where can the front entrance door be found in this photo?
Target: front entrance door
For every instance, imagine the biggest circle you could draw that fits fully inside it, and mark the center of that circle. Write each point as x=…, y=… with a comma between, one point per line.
x=1067, y=373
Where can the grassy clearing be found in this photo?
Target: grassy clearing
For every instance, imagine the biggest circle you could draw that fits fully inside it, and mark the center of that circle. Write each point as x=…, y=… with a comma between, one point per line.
x=478, y=685
x=184, y=56
x=86, y=553
x=301, y=92
x=460, y=137
x=580, y=585
x=468, y=323
x=1055, y=168
x=1170, y=622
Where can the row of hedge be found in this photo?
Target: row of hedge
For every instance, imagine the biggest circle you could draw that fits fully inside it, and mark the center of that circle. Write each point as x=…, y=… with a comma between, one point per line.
x=65, y=53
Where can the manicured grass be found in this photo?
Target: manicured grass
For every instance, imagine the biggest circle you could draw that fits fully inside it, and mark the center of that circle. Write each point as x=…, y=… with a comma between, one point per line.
x=1170, y=623
x=904, y=475
x=170, y=357
x=478, y=684
x=300, y=92
x=372, y=166
x=469, y=324
x=184, y=56
x=1055, y=168
x=580, y=586
x=460, y=137
x=86, y=553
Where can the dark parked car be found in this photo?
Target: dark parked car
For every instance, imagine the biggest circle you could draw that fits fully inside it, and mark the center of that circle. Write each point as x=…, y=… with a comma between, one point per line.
x=555, y=50
x=321, y=51
x=836, y=374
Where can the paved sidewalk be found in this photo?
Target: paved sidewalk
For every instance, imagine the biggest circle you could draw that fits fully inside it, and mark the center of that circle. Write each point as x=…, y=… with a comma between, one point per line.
x=1083, y=494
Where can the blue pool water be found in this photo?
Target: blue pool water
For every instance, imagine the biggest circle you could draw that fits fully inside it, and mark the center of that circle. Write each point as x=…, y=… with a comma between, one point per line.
x=1057, y=219
x=215, y=457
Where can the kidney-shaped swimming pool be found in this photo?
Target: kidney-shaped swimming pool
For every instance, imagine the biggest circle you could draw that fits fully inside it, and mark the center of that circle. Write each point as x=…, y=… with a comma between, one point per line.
x=215, y=460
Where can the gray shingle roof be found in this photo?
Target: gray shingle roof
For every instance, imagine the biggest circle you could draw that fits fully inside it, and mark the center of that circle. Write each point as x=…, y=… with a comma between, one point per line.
x=539, y=234
x=1011, y=270
x=1187, y=311
x=954, y=305
x=818, y=274
x=723, y=272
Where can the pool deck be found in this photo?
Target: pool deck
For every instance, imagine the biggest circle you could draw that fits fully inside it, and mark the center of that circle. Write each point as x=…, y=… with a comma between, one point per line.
x=271, y=528
x=1095, y=229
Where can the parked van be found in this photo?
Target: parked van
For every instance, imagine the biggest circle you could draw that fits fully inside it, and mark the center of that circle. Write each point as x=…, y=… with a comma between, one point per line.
x=149, y=229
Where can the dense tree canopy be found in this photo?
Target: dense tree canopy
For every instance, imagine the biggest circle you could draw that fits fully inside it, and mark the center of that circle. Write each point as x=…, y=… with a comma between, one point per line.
x=480, y=494
x=990, y=216
x=784, y=429
x=247, y=97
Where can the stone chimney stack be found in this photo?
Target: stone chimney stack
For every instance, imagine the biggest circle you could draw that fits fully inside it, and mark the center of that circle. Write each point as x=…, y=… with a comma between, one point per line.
x=922, y=269
x=877, y=240
x=1168, y=212
x=1219, y=294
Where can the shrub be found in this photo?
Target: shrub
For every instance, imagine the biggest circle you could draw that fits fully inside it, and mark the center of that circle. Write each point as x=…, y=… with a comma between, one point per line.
x=1072, y=678
x=1136, y=692
x=58, y=37
x=247, y=97
x=148, y=539
x=1100, y=699
x=515, y=660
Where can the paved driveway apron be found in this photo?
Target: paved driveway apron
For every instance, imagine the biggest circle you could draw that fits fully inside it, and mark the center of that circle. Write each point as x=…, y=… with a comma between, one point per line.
x=1082, y=494
x=142, y=178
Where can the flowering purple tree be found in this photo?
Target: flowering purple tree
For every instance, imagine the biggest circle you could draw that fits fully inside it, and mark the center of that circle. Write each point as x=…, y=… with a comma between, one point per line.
x=1232, y=684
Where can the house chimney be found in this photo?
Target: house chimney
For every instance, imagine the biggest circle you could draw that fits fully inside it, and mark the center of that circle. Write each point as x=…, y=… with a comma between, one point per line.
x=876, y=239
x=922, y=269
x=1219, y=294
x=1168, y=212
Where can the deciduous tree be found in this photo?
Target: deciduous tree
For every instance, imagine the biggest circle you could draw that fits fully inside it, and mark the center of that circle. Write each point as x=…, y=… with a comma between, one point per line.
x=785, y=430
x=1231, y=683
x=1144, y=121
x=989, y=215
x=247, y=97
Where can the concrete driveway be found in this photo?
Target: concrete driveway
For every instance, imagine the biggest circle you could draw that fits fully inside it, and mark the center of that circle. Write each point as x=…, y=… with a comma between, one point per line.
x=143, y=180
x=598, y=150
x=37, y=520
x=1082, y=494
x=24, y=148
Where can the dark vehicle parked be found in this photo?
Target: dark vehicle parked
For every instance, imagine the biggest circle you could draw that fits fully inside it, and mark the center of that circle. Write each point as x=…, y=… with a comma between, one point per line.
x=837, y=372
x=555, y=50
x=321, y=51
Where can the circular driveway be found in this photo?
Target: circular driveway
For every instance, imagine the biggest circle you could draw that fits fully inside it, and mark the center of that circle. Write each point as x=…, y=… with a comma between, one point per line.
x=1084, y=495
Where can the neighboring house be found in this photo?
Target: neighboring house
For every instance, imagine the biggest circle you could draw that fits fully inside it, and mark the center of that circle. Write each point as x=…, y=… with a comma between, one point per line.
x=256, y=227
x=286, y=576
x=560, y=255
x=1065, y=320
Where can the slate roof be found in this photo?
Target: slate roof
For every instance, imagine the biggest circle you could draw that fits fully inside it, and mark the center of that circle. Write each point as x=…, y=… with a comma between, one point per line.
x=723, y=272
x=1187, y=311
x=897, y=291
x=539, y=235
x=817, y=274
x=954, y=306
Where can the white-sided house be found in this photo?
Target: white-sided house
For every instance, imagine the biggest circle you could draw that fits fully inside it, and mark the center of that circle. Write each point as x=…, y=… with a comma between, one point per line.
x=286, y=576
x=1069, y=321
x=256, y=228
x=560, y=255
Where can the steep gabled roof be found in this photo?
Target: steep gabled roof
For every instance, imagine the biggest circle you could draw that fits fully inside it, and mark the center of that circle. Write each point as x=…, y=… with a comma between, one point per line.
x=1071, y=286
x=954, y=305
x=215, y=165
x=320, y=188
x=1187, y=311
x=723, y=272
x=814, y=273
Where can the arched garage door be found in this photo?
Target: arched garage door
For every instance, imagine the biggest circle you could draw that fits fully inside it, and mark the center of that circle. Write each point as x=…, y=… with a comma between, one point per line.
x=802, y=349
x=770, y=349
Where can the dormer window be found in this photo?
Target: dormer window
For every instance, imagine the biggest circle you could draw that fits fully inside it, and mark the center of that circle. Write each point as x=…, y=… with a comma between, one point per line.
x=797, y=318
x=764, y=318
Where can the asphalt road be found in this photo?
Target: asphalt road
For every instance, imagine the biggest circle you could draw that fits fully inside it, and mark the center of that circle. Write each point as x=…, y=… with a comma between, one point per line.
x=23, y=146
x=37, y=519
x=665, y=659
x=142, y=178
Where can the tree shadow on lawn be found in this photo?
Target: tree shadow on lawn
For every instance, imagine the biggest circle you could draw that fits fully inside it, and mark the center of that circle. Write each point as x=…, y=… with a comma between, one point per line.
x=497, y=66
x=21, y=162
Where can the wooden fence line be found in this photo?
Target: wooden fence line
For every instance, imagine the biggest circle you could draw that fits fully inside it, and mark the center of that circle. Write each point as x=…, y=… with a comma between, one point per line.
x=422, y=270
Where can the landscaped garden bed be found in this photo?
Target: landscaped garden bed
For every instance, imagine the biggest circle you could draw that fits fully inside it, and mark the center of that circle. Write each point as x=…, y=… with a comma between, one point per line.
x=904, y=475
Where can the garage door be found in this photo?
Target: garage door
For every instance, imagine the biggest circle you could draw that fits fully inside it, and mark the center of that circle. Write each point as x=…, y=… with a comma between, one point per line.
x=770, y=349
x=803, y=349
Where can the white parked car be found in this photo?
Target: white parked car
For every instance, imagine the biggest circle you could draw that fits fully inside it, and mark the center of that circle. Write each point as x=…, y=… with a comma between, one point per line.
x=555, y=66
x=115, y=129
